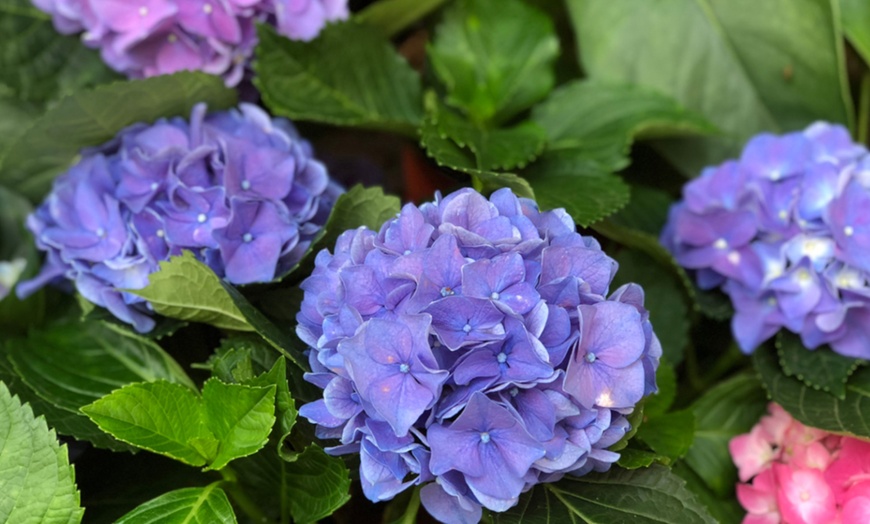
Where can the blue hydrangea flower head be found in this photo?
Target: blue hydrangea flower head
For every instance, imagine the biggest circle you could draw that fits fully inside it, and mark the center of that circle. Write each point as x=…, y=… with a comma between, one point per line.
x=472, y=345
x=237, y=188
x=785, y=231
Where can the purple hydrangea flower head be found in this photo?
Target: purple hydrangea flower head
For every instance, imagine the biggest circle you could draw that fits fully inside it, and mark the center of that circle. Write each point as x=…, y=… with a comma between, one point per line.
x=145, y=38
x=785, y=232
x=155, y=191
x=472, y=346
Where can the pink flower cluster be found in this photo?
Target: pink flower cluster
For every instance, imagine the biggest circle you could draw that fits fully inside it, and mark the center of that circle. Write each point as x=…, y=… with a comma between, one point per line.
x=794, y=474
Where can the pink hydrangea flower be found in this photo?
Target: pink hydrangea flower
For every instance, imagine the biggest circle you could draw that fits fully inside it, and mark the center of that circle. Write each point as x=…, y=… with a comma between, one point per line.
x=794, y=474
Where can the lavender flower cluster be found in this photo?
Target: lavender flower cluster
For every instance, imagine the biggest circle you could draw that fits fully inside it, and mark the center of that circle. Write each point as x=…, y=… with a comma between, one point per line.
x=471, y=342
x=785, y=232
x=145, y=38
x=237, y=188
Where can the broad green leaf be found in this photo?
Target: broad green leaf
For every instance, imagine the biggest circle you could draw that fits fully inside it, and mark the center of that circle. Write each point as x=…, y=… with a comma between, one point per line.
x=208, y=505
x=650, y=495
x=586, y=191
x=186, y=289
x=495, y=57
x=725, y=510
x=309, y=489
x=492, y=148
x=855, y=17
x=486, y=182
x=631, y=458
x=820, y=369
x=663, y=297
x=285, y=405
x=13, y=212
x=730, y=408
x=599, y=120
x=393, y=16
x=240, y=417
x=17, y=115
x=366, y=83
x=850, y=416
x=670, y=435
x=39, y=64
x=747, y=66
x=666, y=380
x=161, y=417
x=67, y=365
x=37, y=481
x=19, y=260
x=91, y=117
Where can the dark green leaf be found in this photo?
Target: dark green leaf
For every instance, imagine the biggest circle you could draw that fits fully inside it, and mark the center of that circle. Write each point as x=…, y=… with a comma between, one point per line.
x=495, y=57
x=725, y=411
x=599, y=121
x=635, y=419
x=208, y=505
x=850, y=416
x=161, y=417
x=310, y=488
x=240, y=417
x=663, y=297
x=586, y=191
x=392, y=16
x=747, y=66
x=670, y=435
x=820, y=369
x=855, y=15
x=39, y=64
x=92, y=117
x=366, y=83
x=650, y=495
x=184, y=288
x=36, y=478
x=725, y=510
x=17, y=115
x=631, y=458
x=666, y=380
x=486, y=182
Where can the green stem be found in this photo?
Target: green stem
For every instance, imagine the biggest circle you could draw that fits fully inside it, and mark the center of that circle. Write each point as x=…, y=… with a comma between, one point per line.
x=241, y=497
x=392, y=17
x=693, y=368
x=732, y=357
x=864, y=109
x=410, y=515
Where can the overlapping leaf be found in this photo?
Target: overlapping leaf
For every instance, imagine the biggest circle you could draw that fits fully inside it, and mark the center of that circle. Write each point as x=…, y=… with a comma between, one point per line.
x=208, y=505
x=820, y=369
x=37, y=482
x=350, y=75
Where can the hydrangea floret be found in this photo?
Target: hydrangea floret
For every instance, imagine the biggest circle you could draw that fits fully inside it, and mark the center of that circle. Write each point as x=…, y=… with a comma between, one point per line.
x=471, y=346
x=794, y=474
x=145, y=38
x=785, y=231
x=238, y=189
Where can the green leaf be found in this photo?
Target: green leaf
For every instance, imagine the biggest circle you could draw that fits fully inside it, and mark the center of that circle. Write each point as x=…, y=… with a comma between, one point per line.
x=208, y=505
x=725, y=510
x=17, y=115
x=559, y=177
x=366, y=84
x=161, y=417
x=36, y=478
x=663, y=297
x=631, y=458
x=393, y=16
x=820, y=368
x=486, y=182
x=285, y=405
x=650, y=495
x=186, y=289
x=850, y=416
x=91, y=117
x=39, y=64
x=855, y=17
x=635, y=419
x=19, y=260
x=68, y=365
x=670, y=435
x=599, y=121
x=730, y=408
x=747, y=66
x=495, y=57
x=310, y=488
x=666, y=380
x=240, y=417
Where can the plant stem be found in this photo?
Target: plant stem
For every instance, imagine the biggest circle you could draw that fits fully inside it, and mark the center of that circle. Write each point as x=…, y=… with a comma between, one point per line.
x=240, y=497
x=410, y=515
x=392, y=17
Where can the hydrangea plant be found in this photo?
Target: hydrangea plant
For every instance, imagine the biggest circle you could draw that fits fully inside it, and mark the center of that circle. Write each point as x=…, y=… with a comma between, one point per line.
x=155, y=37
x=239, y=189
x=782, y=231
x=474, y=343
